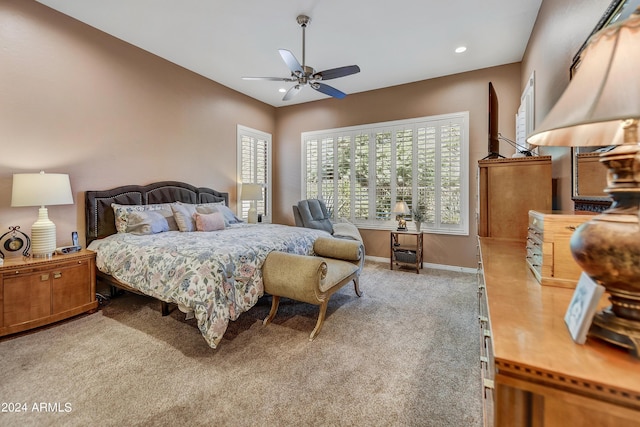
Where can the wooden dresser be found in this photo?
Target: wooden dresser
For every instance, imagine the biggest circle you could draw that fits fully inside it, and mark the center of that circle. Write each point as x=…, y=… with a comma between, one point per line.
x=533, y=373
x=508, y=190
x=37, y=292
x=548, y=248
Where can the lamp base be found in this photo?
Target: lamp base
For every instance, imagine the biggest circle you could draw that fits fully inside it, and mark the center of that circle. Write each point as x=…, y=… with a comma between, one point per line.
x=607, y=247
x=615, y=330
x=43, y=236
x=252, y=215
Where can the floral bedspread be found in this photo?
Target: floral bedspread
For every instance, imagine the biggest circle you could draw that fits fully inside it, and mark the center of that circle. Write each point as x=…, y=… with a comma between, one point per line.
x=216, y=274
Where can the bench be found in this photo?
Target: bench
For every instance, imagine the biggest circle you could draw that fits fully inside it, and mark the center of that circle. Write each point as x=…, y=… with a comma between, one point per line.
x=313, y=279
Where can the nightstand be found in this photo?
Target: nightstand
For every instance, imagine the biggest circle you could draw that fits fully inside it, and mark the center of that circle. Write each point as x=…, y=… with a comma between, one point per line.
x=37, y=292
x=406, y=249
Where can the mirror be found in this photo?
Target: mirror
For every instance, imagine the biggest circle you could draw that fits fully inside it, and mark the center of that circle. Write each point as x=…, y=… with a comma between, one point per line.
x=588, y=176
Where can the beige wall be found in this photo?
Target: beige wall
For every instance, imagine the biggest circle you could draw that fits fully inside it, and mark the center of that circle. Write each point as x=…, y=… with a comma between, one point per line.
x=561, y=28
x=75, y=100
x=460, y=92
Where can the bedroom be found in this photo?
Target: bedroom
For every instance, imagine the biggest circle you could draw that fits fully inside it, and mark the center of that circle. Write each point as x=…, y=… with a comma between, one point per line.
x=180, y=115
x=107, y=113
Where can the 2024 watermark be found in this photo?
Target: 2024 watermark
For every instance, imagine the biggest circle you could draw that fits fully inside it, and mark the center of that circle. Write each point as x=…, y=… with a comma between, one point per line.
x=43, y=407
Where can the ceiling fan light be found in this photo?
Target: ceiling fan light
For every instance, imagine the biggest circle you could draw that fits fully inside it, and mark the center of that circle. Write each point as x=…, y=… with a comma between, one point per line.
x=282, y=90
x=461, y=49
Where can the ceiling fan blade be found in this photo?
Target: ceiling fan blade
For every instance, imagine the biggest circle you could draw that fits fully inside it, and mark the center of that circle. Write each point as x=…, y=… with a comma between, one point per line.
x=291, y=61
x=328, y=90
x=292, y=92
x=272, y=79
x=334, y=73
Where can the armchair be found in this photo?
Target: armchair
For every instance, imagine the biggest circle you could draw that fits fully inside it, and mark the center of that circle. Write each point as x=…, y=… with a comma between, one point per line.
x=313, y=213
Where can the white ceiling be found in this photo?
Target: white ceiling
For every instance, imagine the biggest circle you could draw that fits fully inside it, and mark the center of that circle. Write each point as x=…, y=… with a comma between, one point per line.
x=393, y=42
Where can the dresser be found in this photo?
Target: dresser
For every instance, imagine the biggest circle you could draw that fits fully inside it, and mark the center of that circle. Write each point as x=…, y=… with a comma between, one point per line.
x=37, y=292
x=533, y=373
x=548, y=247
x=507, y=190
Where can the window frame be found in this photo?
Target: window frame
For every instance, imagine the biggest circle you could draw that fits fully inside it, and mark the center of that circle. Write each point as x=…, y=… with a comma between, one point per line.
x=243, y=206
x=373, y=129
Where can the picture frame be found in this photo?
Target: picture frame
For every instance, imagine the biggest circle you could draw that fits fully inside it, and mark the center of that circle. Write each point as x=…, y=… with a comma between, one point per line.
x=616, y=11
x=582, y=308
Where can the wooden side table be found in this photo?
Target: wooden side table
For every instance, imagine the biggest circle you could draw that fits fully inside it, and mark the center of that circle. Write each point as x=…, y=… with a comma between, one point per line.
x=37, y=292
x=406, y=249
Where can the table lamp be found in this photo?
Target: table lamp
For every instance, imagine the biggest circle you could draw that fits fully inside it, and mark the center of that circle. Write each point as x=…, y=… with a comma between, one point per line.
x=601, y=106
x=401, y=209
x=252, y=192
x=40, y=189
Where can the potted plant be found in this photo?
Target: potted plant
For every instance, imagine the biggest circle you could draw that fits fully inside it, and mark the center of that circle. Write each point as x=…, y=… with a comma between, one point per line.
x=419, y=215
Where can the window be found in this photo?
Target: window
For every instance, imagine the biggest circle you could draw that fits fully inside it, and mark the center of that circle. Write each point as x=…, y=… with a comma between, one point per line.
x=361, y=171
x=254, y=166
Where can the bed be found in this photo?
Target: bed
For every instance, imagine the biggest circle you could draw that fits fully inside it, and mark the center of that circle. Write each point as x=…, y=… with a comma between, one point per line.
x=213, y=275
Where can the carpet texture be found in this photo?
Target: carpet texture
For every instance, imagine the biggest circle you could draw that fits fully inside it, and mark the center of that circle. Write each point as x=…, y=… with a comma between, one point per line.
x=404, y=354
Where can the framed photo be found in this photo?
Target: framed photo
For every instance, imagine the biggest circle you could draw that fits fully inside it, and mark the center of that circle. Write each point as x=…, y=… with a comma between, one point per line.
x=582, y=308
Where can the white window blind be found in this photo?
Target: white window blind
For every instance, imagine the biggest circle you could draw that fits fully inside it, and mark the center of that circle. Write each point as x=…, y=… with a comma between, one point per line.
x=360, y=172
x=254, y=167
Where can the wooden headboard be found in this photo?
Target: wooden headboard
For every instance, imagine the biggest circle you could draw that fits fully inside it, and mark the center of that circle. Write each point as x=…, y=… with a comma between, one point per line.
x=99, y=216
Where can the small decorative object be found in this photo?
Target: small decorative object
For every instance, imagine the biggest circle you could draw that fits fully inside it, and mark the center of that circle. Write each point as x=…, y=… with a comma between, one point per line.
x=401, y=209
x=15, y=242
x=419, y=216
x=582, y=308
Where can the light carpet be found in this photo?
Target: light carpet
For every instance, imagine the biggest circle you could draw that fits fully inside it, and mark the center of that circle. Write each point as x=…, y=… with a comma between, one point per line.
x=404, y=354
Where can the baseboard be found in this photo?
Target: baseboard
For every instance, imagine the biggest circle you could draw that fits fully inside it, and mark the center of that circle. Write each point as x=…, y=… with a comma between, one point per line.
x=427, y=265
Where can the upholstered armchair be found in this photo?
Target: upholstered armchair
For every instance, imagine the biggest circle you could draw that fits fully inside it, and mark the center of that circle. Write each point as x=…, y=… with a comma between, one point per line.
x=313, y=213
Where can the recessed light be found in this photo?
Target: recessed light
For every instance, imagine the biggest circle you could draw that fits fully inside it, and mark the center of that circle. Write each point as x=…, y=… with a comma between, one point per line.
x=282, y=90
x=461, y=49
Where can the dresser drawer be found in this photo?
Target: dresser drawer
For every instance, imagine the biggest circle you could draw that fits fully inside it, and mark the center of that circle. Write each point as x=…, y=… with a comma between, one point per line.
x=548, y=247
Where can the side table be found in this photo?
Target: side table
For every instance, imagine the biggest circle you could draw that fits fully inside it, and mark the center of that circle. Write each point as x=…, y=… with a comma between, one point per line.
x=406, y=249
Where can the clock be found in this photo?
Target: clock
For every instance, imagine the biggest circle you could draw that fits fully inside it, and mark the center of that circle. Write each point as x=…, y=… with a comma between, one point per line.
x=14, y=240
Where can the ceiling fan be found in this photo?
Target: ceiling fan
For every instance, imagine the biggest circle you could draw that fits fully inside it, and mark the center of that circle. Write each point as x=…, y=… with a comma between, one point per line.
x=304, y=75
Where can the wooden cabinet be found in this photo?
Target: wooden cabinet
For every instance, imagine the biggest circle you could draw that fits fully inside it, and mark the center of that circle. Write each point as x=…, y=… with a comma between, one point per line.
x=406, y=249
x=548, y=249
x=541, y=377
x=508, y=189
x=36, y=292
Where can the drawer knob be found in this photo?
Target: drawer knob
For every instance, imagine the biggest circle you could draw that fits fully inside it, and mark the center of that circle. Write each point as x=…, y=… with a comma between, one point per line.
x=57, y=275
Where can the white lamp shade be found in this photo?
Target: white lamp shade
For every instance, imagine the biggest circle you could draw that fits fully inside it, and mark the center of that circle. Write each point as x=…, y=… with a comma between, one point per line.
x=41, y=189
x=251, y=192
x=604, y=91
x=401, y=208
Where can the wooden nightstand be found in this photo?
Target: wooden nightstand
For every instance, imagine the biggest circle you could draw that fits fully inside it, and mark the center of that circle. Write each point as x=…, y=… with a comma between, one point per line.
x=406, y=249
x=37, y=292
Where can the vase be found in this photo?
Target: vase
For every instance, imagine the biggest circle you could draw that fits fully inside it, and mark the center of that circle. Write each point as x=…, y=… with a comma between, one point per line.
x=418, y=226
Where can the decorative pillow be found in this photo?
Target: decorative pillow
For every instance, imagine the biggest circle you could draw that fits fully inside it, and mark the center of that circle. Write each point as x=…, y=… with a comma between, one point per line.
x=147, y=222
x=183, y=213
x=209, y=221
x=122, y=213
x=229, y=217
